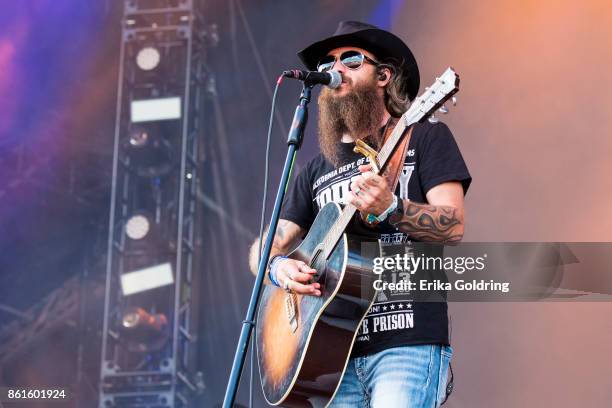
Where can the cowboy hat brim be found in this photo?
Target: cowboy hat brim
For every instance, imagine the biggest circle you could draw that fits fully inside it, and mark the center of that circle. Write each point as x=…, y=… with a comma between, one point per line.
x=383, y=44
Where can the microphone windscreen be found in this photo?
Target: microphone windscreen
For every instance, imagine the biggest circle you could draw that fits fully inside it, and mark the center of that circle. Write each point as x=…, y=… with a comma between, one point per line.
x=336, y=79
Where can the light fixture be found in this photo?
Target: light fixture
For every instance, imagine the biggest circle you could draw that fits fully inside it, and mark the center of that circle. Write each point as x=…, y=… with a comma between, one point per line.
x=145, y=279
x=139, y=137
x=137, y=226
x=148, y=58
x=143, y=331
x=149, y=148
x=147, y=110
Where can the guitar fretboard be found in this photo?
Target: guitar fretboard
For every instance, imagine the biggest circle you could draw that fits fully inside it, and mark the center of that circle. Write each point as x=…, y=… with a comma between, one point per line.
x=336, y=231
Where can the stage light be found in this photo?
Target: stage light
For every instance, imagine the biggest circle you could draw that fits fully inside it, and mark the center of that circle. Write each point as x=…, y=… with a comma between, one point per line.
x=143, y=331
x=137, y=318
x=148, y=58
x=137, y=227
x=150, y=151
x=139, y=137
x=145, y=279
x=148, y=110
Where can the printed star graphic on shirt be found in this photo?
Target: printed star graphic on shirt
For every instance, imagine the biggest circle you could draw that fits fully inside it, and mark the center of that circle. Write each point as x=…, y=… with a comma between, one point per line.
x=401, y=305
x=408, y=306
x=392, y=307
x=384, y=307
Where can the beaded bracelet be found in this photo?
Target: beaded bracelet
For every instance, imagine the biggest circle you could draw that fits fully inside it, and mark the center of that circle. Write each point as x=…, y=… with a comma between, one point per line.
x=272, y=268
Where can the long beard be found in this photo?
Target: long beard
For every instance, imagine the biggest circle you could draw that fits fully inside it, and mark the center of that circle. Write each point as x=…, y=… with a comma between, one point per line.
x=359, y=112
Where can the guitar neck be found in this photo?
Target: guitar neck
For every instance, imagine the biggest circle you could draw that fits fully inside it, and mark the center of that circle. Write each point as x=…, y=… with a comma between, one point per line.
x=349, y=210
x=383, y=156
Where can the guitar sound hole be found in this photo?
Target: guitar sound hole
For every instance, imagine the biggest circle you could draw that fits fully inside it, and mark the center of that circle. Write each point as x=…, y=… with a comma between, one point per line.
x=318, y=262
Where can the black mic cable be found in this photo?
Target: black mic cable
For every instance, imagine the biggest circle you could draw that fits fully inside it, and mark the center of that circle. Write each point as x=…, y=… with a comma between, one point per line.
x=262, y=222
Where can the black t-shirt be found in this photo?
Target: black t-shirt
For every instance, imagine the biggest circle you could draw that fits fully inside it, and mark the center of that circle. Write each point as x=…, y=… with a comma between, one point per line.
x=432, y=158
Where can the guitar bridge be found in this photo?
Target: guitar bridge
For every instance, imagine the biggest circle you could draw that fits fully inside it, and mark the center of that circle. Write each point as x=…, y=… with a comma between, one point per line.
x=291, y=310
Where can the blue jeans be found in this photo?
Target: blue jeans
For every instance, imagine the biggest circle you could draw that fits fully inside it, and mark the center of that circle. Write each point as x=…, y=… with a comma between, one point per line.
x=402, y=377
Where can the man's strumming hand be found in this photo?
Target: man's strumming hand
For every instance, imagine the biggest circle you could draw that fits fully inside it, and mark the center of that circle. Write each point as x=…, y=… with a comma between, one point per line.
x=297, y=275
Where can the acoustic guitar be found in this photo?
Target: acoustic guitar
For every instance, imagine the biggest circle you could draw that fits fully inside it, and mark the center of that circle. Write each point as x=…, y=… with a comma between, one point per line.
x=304, y=342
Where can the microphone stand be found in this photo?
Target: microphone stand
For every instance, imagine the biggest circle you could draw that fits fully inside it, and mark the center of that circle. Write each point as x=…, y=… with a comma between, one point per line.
x=294, y=141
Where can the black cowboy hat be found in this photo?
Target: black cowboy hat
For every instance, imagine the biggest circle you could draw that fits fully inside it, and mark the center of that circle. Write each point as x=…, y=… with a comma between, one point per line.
x=379, y=42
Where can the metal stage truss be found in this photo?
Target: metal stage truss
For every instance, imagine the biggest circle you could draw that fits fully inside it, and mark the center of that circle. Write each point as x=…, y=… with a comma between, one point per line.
x=148, y=355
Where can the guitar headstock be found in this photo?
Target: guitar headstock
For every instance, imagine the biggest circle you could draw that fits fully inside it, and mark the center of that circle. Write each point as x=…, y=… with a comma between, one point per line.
x=433, y=98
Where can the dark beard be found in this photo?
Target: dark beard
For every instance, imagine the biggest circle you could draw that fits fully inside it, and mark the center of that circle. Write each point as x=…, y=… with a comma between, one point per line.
x=357, y=113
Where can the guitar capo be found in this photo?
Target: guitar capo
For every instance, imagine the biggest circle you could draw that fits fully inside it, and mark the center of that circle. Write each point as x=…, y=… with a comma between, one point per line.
x=363, y=148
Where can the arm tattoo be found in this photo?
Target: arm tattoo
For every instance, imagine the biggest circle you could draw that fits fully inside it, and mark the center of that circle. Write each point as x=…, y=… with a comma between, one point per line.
x=431, y=223
x=280, y=232
x=286, y=236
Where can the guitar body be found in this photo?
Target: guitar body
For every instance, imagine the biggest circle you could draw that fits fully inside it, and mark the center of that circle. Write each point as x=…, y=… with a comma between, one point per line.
x=304, y=342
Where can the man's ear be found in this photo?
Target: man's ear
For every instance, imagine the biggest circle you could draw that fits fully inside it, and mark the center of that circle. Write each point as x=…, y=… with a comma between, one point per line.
x=384, y=76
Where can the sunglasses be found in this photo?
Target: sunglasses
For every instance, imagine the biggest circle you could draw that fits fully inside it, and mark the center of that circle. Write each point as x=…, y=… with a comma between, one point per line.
x=350, y=59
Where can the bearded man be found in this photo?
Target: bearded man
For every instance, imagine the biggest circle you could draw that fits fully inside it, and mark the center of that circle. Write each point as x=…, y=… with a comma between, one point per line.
x=402, y=352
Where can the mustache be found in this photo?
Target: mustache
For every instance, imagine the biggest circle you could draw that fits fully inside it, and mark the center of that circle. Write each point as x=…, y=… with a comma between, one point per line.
x=346, y=80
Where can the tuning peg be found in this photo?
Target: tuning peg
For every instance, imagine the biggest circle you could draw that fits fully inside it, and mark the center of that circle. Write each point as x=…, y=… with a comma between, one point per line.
x=454, y=99
x=443, y=109
x=432, y=119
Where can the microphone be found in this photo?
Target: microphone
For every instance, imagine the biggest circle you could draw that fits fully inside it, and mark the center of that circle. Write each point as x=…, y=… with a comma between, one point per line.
x=332, y=79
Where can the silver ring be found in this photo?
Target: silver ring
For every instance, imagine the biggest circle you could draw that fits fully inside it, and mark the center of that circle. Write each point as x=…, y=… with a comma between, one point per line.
x=286, y=286
x=357, y=191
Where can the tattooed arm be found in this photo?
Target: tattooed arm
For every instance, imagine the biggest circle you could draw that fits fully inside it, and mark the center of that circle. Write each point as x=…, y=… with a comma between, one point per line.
x=442, y=220
x=287, y=236
x=296, y=275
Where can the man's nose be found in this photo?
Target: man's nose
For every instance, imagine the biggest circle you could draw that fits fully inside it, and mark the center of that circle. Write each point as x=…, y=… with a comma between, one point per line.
x=338, y=66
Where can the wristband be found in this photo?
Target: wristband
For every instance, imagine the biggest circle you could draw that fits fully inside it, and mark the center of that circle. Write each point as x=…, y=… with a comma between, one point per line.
x=272, y=268
x=373, y=219
x=398, y=214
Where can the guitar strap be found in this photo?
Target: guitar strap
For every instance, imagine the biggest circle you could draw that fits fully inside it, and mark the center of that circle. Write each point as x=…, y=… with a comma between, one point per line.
x=396, y=162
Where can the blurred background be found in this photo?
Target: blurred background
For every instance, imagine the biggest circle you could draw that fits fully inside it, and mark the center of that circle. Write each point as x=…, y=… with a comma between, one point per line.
x=533, y=123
